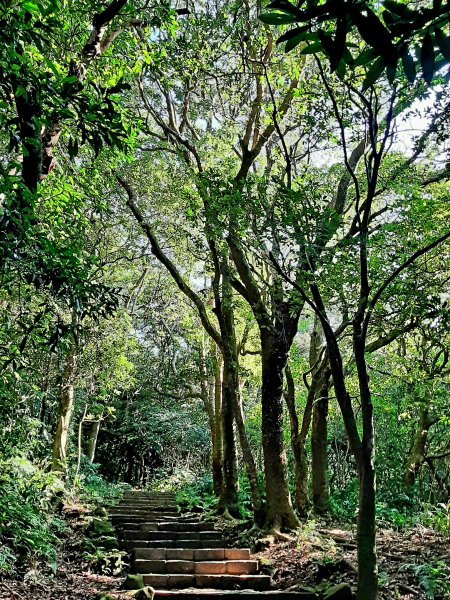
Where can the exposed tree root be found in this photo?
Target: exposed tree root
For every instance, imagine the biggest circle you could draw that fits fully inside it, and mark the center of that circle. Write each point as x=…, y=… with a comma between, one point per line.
x=228, y=517
x=281, y=537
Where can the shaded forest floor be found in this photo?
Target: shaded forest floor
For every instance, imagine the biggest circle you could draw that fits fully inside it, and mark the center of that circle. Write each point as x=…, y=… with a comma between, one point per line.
x=413, y=564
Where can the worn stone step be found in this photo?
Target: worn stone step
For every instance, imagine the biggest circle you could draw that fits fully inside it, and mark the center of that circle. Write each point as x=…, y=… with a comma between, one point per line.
x=161, y=511
x=153, y=518
x=147, y=505
x=208, y=554
x=151, y=514
x=230, y=567
x=224, y=582
x=144, y=502
x=213, y=594
x=130, y=545
x=178, y=526
x=171, y=535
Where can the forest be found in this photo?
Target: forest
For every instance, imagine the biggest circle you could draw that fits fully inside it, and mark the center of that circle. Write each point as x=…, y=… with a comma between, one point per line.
x=224, y=274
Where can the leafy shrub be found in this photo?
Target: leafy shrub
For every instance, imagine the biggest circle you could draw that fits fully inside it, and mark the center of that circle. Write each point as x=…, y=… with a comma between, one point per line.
x=199, y=492
x=434, y=578
x=92, y=488
x=438, y=518
x=28, y=525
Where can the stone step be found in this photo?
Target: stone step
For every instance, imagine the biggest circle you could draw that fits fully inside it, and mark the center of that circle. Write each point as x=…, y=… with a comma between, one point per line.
x=152, y=502
x=149, y=505
x=140, y=525
x=230, y=567
x=146, y=514
x=132, y=534
x=208, y=554
x=144, y=509
x=212, y=594
x=177, y=526
x=224, y=582
x=130, y=545
x=153, y=518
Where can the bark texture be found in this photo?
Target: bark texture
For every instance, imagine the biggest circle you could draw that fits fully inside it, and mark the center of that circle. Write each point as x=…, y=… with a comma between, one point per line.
x=59, y=453
x=319, y=459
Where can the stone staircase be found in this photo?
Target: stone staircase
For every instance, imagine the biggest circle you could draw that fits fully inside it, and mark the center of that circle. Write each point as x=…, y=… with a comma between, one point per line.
x=182, y=556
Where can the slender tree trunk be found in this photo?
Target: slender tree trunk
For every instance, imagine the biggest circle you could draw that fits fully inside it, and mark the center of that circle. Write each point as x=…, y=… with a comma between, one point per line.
x=217, y=458
x=44, y=390
x=91, y=439
x=250, y=465
x=366, y=524
x=223, y=295
x=65, y=409
x=229, y=496
x=319, y=436
x=79, y=446
x=418, y=451
x=279, y=511
x=366, y=530
x=298, y=449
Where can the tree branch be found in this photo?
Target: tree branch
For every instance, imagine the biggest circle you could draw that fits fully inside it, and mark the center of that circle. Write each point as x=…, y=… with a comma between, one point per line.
x=165, y=260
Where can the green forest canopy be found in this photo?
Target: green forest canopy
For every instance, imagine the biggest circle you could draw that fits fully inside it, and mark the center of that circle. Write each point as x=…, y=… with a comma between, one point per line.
x=217, y=261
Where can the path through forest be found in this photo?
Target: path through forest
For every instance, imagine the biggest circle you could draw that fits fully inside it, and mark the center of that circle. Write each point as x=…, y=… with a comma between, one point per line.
x=178, y=555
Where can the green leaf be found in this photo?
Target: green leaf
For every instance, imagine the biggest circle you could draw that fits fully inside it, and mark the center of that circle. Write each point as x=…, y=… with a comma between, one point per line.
x=339, y=44
x=293, y=33
x=31, y=7
x=21, y=91
x=366, y=56
x=277, y=18
x=312, y=48
x=327, y=43
x=427, y=58
x=391, y=73
x=374, y=33
x=293, y=42
x=71, y=79
x=409, y=66
x=375, y=71
x=284, y=6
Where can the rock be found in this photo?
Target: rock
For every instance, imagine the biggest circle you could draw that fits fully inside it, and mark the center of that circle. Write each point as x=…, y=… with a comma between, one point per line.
x=342, y=591
x=134, y=582
x=145, y=593
x=101, y=526
x=101, y=511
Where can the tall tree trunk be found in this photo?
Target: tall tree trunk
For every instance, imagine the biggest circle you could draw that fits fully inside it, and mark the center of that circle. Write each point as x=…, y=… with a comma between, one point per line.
x=250, y=465
x=418, y=451
x=366, y=524
x=279, y=511
x=298, y=449
x=44, y=392
x=60, y=442
x=211, y=394
x=91, y=437
x=215, y=395
x=217, y=453
x=319, y=436
x=223, y=295
x=366, y=530
x=229, y=497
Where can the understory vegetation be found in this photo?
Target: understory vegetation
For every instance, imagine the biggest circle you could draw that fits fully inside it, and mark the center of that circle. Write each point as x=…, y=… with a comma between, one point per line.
x=224, y=271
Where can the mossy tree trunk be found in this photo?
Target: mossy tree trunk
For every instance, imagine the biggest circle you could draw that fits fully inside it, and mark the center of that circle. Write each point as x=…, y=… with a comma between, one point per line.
x=65, y=409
